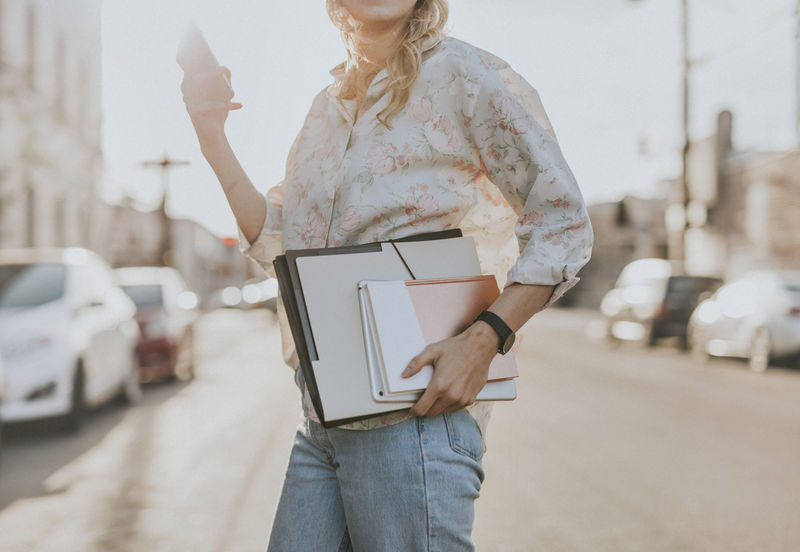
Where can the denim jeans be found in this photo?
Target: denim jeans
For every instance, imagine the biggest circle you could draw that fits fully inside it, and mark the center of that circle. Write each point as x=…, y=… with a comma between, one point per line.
x=403, y=488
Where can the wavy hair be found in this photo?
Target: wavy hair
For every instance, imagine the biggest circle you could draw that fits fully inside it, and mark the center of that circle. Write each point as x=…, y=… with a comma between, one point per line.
x=426, y=23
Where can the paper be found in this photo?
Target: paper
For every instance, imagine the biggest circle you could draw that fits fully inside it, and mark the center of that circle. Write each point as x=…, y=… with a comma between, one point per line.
x=399, y=335
x=407, y=316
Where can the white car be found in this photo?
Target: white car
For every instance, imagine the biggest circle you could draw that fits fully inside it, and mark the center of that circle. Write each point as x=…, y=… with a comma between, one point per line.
x=2, y=394
x=166, y=313
x=67, y=335
x=755, y=316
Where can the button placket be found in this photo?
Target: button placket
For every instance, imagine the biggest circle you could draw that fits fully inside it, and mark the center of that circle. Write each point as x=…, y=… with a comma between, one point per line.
x=347, y=109
x=334, y=183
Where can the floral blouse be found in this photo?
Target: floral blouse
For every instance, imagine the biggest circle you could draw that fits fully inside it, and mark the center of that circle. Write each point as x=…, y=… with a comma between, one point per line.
x=473, y=149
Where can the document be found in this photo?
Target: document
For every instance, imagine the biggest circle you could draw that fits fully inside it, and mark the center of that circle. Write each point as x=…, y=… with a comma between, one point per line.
x=409, y=315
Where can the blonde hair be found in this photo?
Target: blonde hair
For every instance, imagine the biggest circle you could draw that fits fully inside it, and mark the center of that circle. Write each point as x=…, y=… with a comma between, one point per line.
x=425, y=24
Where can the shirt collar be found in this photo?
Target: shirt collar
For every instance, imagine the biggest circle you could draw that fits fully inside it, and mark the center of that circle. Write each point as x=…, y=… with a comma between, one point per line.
x=339, y=71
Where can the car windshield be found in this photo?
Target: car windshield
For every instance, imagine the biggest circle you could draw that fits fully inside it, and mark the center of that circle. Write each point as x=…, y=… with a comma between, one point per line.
x=691, y=285
x=31, y=285
x=145, y=295
x=794, y=291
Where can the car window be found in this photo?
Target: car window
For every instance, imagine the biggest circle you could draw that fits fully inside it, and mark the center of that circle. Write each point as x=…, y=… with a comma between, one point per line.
x=145, y=295
x=31, y=285
x=691, y=285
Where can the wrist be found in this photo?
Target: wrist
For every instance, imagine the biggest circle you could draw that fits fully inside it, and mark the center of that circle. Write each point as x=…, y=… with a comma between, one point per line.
x=502, y=330
x=211, y=145
x=483, y=334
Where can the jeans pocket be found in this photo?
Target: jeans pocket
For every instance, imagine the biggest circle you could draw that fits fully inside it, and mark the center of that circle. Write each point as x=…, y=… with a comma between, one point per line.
x=464, y=434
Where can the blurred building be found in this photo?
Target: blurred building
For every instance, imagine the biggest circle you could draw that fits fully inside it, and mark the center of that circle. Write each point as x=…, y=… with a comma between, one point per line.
x=743, y=207
x=207, y=263
x=624, y=230
x=50, y=122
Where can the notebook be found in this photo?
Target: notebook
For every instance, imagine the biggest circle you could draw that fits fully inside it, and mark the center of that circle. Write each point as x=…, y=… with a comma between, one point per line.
x=400, y=318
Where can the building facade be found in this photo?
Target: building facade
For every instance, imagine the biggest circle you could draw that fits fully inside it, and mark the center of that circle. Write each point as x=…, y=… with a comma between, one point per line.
x=624, y=230
x=50, y=122
x=743, y=207
x=206, y=262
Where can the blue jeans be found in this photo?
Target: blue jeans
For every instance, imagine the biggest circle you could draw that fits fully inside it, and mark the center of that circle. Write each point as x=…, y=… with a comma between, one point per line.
x=407, y=487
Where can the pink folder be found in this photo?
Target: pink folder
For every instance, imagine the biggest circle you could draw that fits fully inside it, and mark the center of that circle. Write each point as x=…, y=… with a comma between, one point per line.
x=446, y=307
x=441, y=308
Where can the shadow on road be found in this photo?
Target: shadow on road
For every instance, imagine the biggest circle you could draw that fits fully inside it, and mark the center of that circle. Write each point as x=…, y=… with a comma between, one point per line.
x=33, y=451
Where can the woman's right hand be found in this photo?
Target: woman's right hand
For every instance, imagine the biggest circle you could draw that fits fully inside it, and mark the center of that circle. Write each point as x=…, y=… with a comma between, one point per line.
x=208, y=96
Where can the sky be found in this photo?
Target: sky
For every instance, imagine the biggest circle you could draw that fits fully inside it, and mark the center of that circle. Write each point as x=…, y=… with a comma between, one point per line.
x=608, y=73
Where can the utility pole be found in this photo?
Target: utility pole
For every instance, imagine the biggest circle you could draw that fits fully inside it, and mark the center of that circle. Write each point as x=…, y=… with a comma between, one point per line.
x=165, y=165
x=676, y=248
x=685, y=73
x=797, y=72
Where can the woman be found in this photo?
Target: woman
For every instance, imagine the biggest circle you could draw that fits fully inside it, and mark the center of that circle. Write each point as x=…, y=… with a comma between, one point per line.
x=418, y=132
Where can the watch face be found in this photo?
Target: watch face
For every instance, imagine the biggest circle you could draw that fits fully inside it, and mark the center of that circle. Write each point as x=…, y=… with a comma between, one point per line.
x=508, y=344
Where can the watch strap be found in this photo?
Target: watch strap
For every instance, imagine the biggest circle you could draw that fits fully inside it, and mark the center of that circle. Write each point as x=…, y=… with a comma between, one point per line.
x=498, y=325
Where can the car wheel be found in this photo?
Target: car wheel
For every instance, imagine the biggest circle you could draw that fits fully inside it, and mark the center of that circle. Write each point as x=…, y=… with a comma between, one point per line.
x=74, y=419
x=131, y=389
x=697, y=347
x=699, y=352
x=185, y=359
x=651, y=334
x=760, y=350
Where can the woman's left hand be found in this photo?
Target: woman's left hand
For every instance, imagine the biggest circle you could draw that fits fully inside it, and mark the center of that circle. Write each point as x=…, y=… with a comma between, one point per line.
x=460, y=370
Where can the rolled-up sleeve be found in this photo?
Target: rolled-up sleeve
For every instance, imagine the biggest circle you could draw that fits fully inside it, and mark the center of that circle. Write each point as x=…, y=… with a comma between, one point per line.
x=269, y=243
x=521, y=155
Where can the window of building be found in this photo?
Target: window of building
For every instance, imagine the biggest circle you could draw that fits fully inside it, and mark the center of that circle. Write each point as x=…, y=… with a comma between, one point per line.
x=60, y=66
x=31, y=46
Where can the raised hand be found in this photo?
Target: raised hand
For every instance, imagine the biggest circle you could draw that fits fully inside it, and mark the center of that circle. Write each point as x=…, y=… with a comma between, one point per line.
x=207, y=95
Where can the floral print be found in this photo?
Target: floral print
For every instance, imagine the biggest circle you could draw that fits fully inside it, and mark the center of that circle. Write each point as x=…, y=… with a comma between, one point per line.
x=441, y=134
x=473, y=149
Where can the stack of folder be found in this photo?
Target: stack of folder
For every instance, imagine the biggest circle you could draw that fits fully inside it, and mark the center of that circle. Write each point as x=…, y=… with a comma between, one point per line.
x=359, y=314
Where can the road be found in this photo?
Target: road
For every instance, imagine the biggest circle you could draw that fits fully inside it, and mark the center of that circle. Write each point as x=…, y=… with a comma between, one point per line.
x=606, y=449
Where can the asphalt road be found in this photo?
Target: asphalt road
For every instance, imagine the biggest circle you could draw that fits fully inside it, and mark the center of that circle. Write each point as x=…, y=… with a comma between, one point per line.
x=606, y=449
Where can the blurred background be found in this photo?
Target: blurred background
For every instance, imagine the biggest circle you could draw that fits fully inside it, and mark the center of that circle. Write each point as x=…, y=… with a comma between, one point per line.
x=143, y=400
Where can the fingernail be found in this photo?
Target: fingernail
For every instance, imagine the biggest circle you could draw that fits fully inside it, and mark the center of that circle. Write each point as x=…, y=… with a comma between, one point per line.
x=405, y=372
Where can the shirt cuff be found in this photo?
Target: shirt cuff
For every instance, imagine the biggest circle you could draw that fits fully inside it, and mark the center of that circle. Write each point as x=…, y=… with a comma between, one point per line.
x=543, y=276
x=268, y=244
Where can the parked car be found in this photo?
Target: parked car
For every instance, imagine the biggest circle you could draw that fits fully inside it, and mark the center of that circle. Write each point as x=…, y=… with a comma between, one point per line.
x=755, y=316
x=67, y=335
x=166, y=312
x=651, y=300
x=2, y=395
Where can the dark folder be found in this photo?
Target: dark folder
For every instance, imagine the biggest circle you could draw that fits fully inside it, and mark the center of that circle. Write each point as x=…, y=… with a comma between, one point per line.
x=291, y=290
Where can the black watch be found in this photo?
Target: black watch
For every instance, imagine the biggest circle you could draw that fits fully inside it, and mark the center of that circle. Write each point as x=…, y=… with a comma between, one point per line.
x=507, y=336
